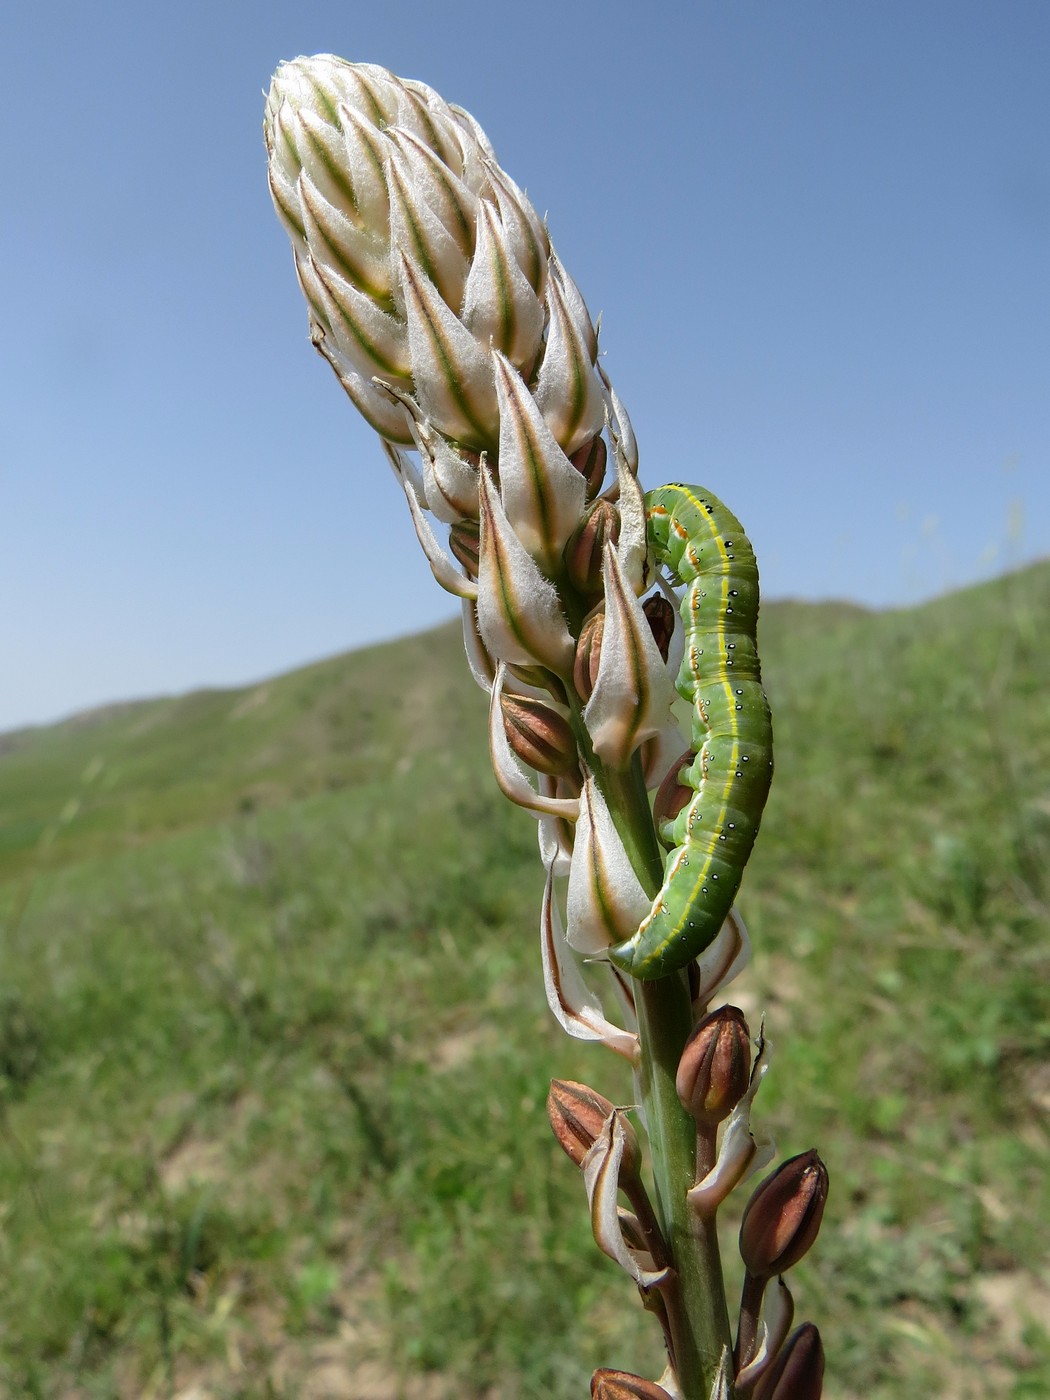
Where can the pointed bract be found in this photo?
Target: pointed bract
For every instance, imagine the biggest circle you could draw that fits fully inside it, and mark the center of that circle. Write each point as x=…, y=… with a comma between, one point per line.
x=441, y=566
x=523, y=230
x=375, y=405
x=631, y=546
x=573, y=1005
x=740, y=1152
x=632, y=694
x=510, y=775
x=567, y=388
x=418, y=233
x=482, y=666
x=605, y=897
x=519, y=613
x=450, y=480
x=452, y=372
x=440, y=187
x=622, y=431
x=623, y=1385
x=499, y=305
x=723, y=959
x=542, y=492
x=601, y=1175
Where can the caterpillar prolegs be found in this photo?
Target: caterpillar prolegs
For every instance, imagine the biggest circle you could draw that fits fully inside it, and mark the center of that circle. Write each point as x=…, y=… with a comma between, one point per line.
x=702, y=545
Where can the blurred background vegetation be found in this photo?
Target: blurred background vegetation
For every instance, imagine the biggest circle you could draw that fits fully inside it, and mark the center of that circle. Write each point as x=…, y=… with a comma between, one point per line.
x=274, y=1048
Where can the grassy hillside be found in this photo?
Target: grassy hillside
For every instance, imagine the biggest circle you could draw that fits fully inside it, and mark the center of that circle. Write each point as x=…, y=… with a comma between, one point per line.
x=118, y=777
x=273, y=1047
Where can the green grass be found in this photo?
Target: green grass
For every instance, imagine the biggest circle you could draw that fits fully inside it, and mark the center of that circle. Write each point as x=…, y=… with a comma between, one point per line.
x=273, y=1045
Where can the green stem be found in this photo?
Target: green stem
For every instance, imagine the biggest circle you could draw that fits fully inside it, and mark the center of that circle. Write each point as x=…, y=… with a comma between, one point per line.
x=664, y=1022
x=696, y=1302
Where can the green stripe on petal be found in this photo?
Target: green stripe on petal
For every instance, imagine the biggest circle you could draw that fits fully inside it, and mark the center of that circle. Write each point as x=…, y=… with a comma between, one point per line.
x=632, y=694
x=499, y=305
x=519, y=613
x=420, y=234
x=567, y=389
x=542, y=492
x=452, y=372
x=375, y=342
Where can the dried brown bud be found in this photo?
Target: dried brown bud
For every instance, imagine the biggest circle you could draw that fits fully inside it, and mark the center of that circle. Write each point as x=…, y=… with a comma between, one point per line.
x=464, y=540
x=798, y=1371
x=540, y=736
x=578, y=1115
x=588, y=655
x=660, y=616
x=621, y=1385
x=715, y=1067
x=672, y=794
x=583, y=553
x=783, y=1216
x=589, y=461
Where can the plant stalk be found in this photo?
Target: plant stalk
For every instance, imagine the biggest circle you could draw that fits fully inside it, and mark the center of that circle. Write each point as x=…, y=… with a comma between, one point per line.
x=697, y=1311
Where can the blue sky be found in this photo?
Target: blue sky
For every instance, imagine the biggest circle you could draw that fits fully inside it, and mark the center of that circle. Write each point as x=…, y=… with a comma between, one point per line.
x=819, y=235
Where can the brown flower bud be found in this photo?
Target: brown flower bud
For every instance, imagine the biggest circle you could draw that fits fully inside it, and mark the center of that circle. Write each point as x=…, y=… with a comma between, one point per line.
x=672, y=794
x=589, y=461
x=621, y=1385
x=540, y=736
x=464, y=540
x=660, y=616
x=588, y=655
x=578, y=1114
x=783, y=1216
x=715, y=1067
x=583, y=553
x=798, y=1371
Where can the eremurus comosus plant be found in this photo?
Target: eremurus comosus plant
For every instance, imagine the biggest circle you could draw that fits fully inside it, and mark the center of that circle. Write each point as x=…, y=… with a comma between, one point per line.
x=436, y=296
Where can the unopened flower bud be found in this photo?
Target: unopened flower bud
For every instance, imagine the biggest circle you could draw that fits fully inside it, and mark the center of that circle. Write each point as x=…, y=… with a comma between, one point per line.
x=583, y=554
x=621, y=1385
x=715, y=1067
x=660, y=616
x=588, y=655
x=798, y=1371
x=589, y=461
x=578, y=1114
x=783, y=1216
x=464, y=540
x=672, y=794
x=539, y=735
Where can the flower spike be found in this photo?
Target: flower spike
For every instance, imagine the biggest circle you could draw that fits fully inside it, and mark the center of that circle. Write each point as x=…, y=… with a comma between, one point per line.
x=434, y=294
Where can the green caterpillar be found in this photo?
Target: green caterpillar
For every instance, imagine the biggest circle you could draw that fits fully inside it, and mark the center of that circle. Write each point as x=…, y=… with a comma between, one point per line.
x=703, y=546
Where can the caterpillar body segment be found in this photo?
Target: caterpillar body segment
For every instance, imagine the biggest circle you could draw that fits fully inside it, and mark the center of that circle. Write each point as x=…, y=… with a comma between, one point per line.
x=701, y=543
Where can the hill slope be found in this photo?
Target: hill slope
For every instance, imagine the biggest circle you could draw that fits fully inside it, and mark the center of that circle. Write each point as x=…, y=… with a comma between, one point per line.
x=125, y=774
x=147, y=768
x=273, y=1048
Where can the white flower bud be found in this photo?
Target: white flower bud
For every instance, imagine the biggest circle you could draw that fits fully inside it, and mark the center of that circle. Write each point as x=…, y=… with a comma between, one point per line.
x=418, y=255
